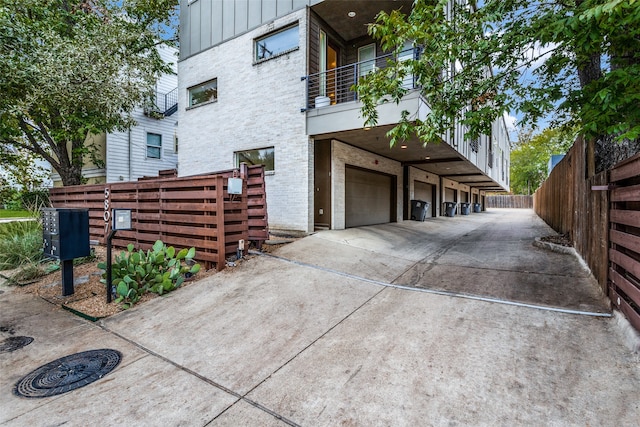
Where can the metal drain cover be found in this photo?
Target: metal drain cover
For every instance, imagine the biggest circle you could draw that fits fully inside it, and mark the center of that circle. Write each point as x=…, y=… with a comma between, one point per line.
x=68, y=373
x=10, y=344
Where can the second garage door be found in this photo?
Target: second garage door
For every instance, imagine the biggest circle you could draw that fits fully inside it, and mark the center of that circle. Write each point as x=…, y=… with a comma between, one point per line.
x=423, y=191
x=368, y=197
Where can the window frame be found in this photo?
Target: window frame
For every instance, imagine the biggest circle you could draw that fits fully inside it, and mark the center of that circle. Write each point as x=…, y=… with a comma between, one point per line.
x=237, y=161
x=202, y=86
x=158, y=147
x=257, y=60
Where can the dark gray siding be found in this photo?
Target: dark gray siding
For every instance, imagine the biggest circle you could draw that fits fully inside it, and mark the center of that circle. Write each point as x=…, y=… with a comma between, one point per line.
x=206, y=23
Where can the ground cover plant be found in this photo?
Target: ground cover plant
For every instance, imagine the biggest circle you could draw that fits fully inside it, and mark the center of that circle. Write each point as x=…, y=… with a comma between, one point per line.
x=159, y=270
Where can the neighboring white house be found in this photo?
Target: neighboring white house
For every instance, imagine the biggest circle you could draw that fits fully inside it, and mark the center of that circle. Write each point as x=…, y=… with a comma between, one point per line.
x=267, y=81
x=148, y=147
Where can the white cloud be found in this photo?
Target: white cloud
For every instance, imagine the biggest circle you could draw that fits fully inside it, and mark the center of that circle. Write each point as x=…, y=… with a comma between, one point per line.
x=511, y=121
x=512, y=129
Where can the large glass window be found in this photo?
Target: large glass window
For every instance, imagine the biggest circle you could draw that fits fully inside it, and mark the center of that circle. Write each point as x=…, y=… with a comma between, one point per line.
x=276, y=43
x=204, y=92
x=262, y=156
x=154, y=145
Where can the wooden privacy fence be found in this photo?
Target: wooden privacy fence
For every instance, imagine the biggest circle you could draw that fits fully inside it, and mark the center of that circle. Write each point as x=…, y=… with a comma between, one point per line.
x=568, y=204
x=509, y=201
x=182, y=212
x=624, y=236
x=602, y=214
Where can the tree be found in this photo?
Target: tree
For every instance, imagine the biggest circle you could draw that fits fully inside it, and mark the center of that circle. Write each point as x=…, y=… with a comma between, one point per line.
x=71, y=68
x=530, y=157
x=578, y=60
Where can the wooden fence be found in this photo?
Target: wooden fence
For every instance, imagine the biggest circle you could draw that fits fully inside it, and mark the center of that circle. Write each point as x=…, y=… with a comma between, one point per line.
x=624, y=236
x=183, y=212
x=568, y=204
x=602, y=215
x=509, y=201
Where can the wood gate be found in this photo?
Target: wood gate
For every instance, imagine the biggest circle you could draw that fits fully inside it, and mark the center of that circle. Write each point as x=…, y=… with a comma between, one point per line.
x=624, y=238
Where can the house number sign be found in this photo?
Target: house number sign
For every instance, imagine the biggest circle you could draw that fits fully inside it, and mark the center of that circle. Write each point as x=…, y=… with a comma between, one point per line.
x=107, y=211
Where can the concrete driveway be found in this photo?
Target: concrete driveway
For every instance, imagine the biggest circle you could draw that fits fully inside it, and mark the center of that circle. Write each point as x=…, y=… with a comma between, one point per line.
x=454, y=321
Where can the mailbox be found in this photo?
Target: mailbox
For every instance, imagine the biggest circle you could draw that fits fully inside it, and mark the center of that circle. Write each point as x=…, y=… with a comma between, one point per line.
x=65, y=233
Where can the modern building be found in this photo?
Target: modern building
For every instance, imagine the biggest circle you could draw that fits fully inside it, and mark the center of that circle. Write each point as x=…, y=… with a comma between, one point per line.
x=269, y=81
x=149, y=146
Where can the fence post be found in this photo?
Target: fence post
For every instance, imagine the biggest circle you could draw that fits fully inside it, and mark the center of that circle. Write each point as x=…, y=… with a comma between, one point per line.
x=244, y=171
x=220, y=228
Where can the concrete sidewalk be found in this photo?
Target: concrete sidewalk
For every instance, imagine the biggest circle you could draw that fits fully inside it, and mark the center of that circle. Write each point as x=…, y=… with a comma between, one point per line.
x=454, y=321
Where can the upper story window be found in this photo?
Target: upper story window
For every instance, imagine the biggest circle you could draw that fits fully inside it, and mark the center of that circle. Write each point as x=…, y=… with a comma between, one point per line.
x=203, y=93
x=276, y=44
x=262, y=156
x=154, y=145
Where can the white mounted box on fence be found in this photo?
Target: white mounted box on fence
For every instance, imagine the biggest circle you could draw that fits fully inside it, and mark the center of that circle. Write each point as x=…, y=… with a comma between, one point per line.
x=121, y=219
x=234, y=186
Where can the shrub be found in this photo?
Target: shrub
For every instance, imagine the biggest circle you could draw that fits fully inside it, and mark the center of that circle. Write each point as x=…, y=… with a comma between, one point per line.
x=20, y=243
x=158, y=270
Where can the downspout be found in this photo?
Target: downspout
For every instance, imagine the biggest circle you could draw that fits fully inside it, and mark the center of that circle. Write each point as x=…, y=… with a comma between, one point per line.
x=129, y=156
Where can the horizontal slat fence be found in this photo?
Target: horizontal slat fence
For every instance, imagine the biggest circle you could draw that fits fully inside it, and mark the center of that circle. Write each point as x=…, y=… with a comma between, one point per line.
x=624, y=235
x=182, y=212
x=510, y=201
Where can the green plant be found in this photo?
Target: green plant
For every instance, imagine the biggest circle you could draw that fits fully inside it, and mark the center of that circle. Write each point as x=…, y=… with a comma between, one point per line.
x=159, y=270
x=20, y=243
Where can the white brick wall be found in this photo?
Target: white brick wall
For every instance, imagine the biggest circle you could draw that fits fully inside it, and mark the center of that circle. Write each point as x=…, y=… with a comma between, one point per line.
x=342, y=155
x=258, y=106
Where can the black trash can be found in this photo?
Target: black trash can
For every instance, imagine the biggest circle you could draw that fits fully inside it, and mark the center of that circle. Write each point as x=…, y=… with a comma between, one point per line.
x=477, y=207
x=419, y=210
x=449, y=209
x=464, y=208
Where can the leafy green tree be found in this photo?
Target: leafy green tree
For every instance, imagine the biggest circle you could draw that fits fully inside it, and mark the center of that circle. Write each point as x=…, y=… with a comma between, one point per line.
x=530, y=157
x=70, y=68
x=578, y=60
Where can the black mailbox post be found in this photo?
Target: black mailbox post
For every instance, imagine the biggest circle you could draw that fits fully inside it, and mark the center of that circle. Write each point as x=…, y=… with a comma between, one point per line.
x=65, y=237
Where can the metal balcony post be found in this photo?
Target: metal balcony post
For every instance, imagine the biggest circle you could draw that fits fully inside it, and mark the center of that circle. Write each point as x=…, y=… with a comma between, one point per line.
x=355, y=81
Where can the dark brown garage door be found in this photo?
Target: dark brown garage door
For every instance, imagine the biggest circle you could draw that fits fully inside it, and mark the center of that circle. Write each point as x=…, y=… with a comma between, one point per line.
x=368, y=197
x=424, y=191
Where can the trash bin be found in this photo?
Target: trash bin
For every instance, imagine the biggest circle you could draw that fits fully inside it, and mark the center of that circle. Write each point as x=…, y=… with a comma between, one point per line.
x=464, y=208
x=419, y=210
x=449, y=209
x=477, y=207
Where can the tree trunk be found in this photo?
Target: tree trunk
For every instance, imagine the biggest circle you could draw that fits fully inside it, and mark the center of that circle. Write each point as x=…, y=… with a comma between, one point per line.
x=70, y=176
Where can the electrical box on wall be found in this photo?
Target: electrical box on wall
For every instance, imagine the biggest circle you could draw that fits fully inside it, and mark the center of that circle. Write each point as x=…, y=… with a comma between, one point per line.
x=65, y=233
x=234, y=186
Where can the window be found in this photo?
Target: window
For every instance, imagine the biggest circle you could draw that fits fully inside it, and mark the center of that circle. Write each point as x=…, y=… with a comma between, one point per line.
x=154, y=145
x=262, y=156
x=366, y=59
x=204, y=92
x=276, y=43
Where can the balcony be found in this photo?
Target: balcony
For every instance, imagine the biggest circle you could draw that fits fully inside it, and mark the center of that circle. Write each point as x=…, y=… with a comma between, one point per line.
x=336, y=86
x=162, y=105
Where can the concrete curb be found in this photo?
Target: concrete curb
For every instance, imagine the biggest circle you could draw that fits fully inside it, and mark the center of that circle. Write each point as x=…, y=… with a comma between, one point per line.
x=553, y=247
x=629, y=334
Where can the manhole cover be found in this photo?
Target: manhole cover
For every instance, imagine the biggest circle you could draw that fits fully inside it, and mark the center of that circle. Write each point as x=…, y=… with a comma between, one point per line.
x=10, y=344
x=68, y=373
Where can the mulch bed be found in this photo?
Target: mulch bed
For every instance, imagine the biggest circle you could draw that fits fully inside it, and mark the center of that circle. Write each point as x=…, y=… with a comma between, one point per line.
x=89, y=299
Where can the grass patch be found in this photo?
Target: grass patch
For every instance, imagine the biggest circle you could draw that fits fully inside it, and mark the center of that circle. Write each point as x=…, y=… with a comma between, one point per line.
x=6, y=213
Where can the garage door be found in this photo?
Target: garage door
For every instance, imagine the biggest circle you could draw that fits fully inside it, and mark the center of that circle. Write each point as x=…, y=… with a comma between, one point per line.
x=424, y=191
x=368, y=197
